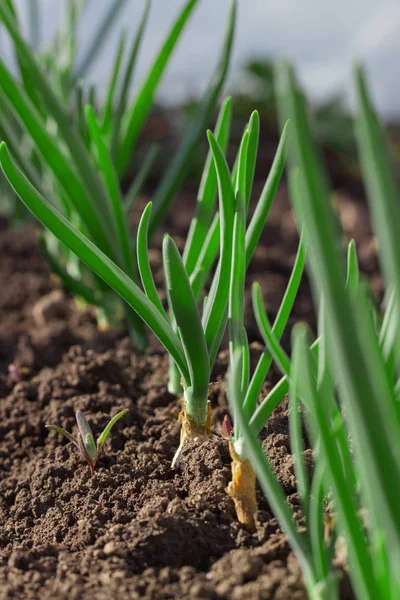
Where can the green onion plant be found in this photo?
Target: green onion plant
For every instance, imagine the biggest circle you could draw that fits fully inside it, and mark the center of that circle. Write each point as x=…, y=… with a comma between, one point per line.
x=246, y=452
x=351, y=388
x=343, y=385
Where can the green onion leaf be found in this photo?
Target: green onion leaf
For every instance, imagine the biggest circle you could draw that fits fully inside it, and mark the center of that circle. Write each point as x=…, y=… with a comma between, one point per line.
x=270, y=339
x=267, y=195
x=185, y=311
x=365, y=391
x=177, y=170
x=107, y=116
x=99, y=37
x=218, y=296
x=254, y=133
x=126, y=81
x=143, y=261
x=360, y=561
x=207, y=195
x=107, y=170
x=135, y=117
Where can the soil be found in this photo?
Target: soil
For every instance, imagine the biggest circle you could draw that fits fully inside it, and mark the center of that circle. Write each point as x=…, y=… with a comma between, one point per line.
x=138, y=529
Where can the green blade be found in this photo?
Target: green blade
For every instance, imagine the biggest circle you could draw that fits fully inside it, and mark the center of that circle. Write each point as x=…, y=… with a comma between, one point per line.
x=290, y=294
x=104, y=435
x=142, y=253
x=208, y=253
x=238, y=344
x=107, y=116
x=382, y=191
x=218, y=297
x=388, y=333
x=254, y=133
x=99, y=37
x=241, y=178
x=321, y=557
x=95, y=259
x=246, y=444
x=135, y=117
x=178, y=168
x=207, y=194
x=361, y=571
x=270, y=339
x=140, y=179
x=278, y=328
x=264, y=410
x=188, y=320
x=353, y=274
x=107, y=170
x=126, y=81
x=297, y=447
x=246, y=363
x=381, y=186
x=267, y=195
x=211, y=244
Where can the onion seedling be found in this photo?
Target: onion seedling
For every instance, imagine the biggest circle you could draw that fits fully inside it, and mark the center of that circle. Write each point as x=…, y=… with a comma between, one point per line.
x=84, y=442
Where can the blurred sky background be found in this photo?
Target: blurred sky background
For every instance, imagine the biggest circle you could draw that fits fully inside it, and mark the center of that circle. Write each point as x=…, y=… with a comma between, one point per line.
x=322, y=37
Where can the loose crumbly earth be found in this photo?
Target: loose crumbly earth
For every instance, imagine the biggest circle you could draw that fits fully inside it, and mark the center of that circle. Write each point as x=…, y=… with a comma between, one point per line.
x=139, y=529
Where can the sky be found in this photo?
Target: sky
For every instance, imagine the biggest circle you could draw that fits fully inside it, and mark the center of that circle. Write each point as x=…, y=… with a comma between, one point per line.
x=323, y=38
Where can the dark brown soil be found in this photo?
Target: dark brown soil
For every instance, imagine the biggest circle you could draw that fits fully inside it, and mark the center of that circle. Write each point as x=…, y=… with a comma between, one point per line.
x=138, y=529
x=27, y=339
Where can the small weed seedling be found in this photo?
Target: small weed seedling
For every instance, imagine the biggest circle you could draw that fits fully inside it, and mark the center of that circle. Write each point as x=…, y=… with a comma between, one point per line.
x=84, y=442
x=16, y=372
